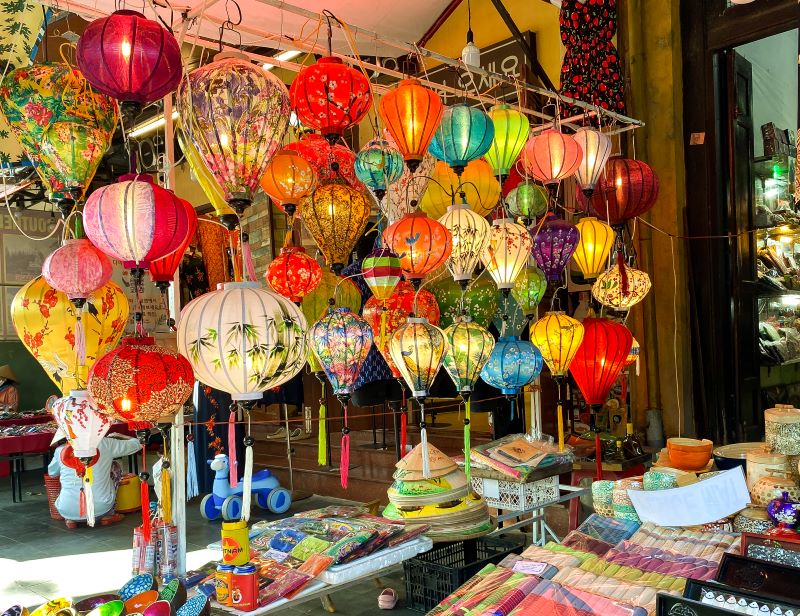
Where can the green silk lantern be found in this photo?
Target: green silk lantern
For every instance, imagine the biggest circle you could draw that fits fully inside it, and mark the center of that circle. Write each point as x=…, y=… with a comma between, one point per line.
x=529, y=289
x=74, y=150
x=516, y=320
x=527, y=201
x=510, y=135
x=479, y=300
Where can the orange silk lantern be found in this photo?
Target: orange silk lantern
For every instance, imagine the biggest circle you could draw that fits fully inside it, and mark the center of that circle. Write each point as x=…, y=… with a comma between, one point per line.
x=423, y=244
x=288, y=178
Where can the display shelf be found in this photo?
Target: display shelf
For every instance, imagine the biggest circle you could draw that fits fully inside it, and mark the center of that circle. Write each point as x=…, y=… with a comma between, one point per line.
x=587, y=465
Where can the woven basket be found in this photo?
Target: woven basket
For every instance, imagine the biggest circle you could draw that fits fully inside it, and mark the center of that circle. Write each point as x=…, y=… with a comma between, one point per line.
x=52, y=485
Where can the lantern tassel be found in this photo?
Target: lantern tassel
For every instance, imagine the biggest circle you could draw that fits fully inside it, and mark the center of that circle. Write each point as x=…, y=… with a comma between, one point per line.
x=88, y=496
x=80, y=342
x=82, y=502
x=598, y=454
x=467, y=445
x=382, y=338
x=426, y=459
x=233, y=478
x=513, y=408
x=166, y=496
x=344, y=462
x=322, y=432
x=247, y=257
x=192, y=486
x=560, y=418
x=623, y=275
x=144, y=493
x=247, y=481
x=403, y=432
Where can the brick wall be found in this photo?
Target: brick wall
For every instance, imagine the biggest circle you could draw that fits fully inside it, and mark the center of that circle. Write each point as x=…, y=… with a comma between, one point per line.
x=258, y=225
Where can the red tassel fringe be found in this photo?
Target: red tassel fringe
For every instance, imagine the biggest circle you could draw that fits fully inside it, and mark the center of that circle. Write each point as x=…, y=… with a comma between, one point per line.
x=145, y=502
x=623, y=275
x=344, y=463
x=82, y=504
x=403, y=434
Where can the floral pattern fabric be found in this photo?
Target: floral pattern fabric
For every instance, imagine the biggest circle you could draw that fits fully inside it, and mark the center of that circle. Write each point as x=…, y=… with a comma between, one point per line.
x=341, y=341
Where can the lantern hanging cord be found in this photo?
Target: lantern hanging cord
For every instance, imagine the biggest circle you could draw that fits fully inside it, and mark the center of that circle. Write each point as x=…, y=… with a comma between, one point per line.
x=54, y=230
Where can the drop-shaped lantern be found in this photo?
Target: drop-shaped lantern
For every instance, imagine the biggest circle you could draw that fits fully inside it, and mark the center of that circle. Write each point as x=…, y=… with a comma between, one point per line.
x=509, y=319
x=465, y=133
x=558, y=337
x=135, y=220
x=529, y=289
x=511, y=130
x=411, y=113
x=469, y=348
x=74, y=150
x=336, y=215
x=237, y=114
x=78, y=269
x=243, y=339
x=551, y=156
x=470, y=235
x=288, y=178
x=331, y=163
x=481, y=189
x=553, y=246
x=330, y=97
x=382, y=272
x=600, y=358
x=82, y=423
x=634, y=355
x=130, y=58
x=343, y=291
x=378, y=165
x=341, y=340
x=404, y=196
x=527, y=201
x=593, y=248
x=621, y=287
x=421, y=243
x=479, y=300
x=627, y=189
x=596, y=148
x=417, y=348
x=293, y=273
x=512, y=364
x=162, y=271
x=507, y=252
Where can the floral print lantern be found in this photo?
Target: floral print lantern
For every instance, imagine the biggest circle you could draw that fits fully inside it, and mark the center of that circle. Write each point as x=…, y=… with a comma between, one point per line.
x=507, y=253
x=553, y=246
x=621, y=287
x=464, y=134
x=421, y=243
x=511, y=130
x=382, y=272
x=626, y=189
x=330, y=96
x=74, y=150
x=411, y=113
x=331, y=163
x=481, y=189
x=78, y=418
x=479, y=300
x=529, y=289
x=593, y=248
x=596, y=147
x=600, y=358
x=288, y=178
x=293, y=273
x=236, y=114
x=470, y=235
x=378, y=165
x=512, y=364
x=343, y=291
x=551, y=156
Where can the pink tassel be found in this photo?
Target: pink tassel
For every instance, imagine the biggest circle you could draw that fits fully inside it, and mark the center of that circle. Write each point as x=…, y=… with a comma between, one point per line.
x=232, y=478
x=145, y=504
x=623, y=275
x=80, y=342
x=344, y=462
x=247, y=257
x=82, y=503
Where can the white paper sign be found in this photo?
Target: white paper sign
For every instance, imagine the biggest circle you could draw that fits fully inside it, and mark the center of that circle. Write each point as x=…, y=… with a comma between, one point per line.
x=531, y=567
x=703, y=502
x=491, y=488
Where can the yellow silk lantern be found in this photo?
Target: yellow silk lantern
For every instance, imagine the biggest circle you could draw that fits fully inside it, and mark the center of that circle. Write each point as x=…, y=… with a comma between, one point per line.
x=481, y=189
x=594, y=246
x=204, y=178
x=45, y=320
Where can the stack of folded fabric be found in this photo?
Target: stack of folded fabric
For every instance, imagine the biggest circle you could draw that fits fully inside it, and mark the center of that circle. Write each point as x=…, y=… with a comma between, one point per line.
x=551, y=598
x=710, y=545
x=662, y=561
x=632, y=574
x=610, y=530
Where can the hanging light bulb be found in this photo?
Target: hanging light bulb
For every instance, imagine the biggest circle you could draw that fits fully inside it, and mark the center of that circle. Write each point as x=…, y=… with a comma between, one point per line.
x=507, y=253
x=511, y=130
x=551, y=156
x=596, y=147
x=593, y=248
x=470, y=55
x=421, y=243
x=464, y=134
x=470, y=237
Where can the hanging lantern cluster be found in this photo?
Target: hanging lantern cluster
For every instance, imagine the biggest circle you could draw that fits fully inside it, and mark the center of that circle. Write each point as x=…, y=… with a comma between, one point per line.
x=465, y=133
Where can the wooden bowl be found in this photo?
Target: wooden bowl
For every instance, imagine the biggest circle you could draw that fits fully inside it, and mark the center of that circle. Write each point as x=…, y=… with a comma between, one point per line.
x=139, y=602
x=689, y=454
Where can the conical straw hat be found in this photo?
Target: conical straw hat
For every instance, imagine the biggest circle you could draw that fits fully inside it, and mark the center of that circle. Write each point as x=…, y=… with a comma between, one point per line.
x=410, y=467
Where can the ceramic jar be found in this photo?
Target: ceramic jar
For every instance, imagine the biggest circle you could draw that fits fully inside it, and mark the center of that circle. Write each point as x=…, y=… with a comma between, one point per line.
x=752, y=520
x=782, y=429
x=784, y=510
x=759, y=461
x=773, y=486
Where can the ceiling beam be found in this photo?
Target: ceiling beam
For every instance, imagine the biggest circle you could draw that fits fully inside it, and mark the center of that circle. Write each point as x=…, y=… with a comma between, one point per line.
x=445, y=15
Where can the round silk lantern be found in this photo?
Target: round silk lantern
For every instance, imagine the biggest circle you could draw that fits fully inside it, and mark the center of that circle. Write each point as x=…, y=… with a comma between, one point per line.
x=511, y=130
x=551, y=156
x=553, y=246
x=139, y=382
x=243, y=339
x=470, y=235
x=627, y=189
x=78, y=269
x=336, y=216
x=600, y=358
x=237, y=114
x=293, y=273
x=331, y=163
x=558, y=337
x=80, y=421
x=288, y=178
x=479, y=300
x=507, y=253
x=421, y=243
x=469, y=347
x=481, y=189
x=634, y=355
x=596, y=148
x=529, y=289
x=330, y=96
x=131, y=58
x=343, y=291
x=593, y=248
x=512, y=364
x=464, y=134
x=162, y=271
x=411, y=113
x=135, y=220
x=378, y=165
x=46, y=322
x=527, y=201
x=621, y=287
x=382, y=272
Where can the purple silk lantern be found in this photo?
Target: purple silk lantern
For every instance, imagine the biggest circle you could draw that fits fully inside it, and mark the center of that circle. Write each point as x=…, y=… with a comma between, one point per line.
x=553, y=246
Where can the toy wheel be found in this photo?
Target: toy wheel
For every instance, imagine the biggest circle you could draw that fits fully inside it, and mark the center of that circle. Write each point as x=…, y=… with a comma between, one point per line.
x=207, y=508
x=262, y=499
x=279, y=500
x=232, y=508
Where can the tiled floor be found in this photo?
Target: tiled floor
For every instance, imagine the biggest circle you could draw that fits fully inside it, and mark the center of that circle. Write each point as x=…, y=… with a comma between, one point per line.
x=41, y=559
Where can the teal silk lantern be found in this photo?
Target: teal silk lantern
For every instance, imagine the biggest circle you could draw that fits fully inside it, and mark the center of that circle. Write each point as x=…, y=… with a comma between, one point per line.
x=513, y=364
x=378, y=165
x=509, y=313
x=529, y=289
x=464, y=134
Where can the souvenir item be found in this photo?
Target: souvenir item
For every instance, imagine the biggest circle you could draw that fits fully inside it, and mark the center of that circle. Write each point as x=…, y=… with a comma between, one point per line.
x=137, y=585
x=782, y=429
x=772, y=486
x=784, y=510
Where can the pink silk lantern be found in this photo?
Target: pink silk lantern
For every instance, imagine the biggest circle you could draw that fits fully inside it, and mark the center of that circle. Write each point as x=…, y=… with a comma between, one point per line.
x=551, y=156
x=77, y=269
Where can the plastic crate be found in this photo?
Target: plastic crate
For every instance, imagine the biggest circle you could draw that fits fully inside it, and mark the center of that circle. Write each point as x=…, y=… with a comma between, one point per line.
x=516, y=496
x=432, y=576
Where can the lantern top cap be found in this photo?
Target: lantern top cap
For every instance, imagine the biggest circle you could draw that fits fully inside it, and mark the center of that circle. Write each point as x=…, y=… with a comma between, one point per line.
x=231, y=55
x=499, y=106
x=463, y=318
x=554, y=312
x=292, y=249
x=137, y=177
x=74, y=393
x=588, y=218
x=411, y=81
x=138, y=341
x=508, y=339
x=416, y=320
x=458, y=206
x=329, y=60
x=127, y=12
x=229, y=286
x=502, y=221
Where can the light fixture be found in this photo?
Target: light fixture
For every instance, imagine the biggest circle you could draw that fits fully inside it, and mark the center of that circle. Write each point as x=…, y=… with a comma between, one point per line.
x=284, y=56
x=148, y=126
x=470, y=55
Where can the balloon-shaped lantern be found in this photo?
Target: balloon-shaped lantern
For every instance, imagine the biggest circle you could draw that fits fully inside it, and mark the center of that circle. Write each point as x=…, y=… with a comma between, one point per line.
x=511, y=130
x=411, y=113
x=551, y=156
x=331, y=163
x=527, y=201
x=78, y=269
x=512, y=364
x=553, y=246
x=74, y=150
x=529, y=289
x=336, y=215
x=621, y=287
x=421, y=243
x=382, y=272
x=593, y=248
x=330, y=97
x=479, y=300
x=237, y=114
x=470, y=235
x=46, y=322
x=465, y=133
x=627, y=189
x=378, y=165
x=596, y=147
x=293, y=273
x=481, y=189
x=288, y=178
x=405, y=195
x=507, y=253
x=600, y=358
x=343, y=291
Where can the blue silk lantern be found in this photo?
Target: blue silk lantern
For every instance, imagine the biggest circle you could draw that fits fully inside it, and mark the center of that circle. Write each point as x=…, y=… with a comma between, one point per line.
x=377, y=165
x=464, y=134
x=513, y=364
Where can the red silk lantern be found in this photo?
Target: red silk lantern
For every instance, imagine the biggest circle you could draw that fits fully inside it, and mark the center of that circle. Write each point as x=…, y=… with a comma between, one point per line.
x=130, y=58
x=551, y=156
x=600, y=358
x=330, y=97
x=77, y=269
x=423, y=244
x=411, y=113
x=162, y=271
x=330, y=162
x=627, y=189
x=293, y=273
